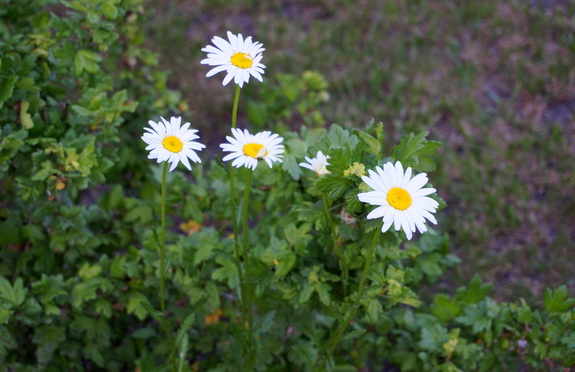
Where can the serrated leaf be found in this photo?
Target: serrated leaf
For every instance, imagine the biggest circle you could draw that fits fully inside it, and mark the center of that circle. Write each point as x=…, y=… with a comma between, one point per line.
x=291, y=165
x=25, y=117
x=286, y=262
x=86, y=60
x=322, y=290
x=184, y=327
x=183, y=350
x=5, y=315
x=238, y=335
x=433, y=337
x=557, y=301
x=15, y=294
x=445, y=308
x=334, y=186
x=136, y=305
x=7, y=88
x=475, y=291
x=372, y=145
x=339, y=137
x=353, y=334
x=408, y=147
x=222, y=165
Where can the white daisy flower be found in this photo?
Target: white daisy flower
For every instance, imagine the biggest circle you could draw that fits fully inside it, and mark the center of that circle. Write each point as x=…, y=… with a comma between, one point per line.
x=317, y=164
x=246, y=149
x=167, y=141
x=239, y=57
x=401, y=199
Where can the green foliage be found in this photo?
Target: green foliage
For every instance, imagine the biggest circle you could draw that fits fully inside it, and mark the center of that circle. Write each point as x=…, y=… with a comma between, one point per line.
x=79, y=213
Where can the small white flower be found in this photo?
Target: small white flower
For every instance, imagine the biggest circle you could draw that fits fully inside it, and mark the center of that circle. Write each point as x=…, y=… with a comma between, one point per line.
x=246, y=149
x=167, y=141
x=317, y=164
x=239, y=57
x=401, y=199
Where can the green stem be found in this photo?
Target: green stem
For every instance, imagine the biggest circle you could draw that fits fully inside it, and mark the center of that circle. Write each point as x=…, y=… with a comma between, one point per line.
x=162, y=263
x=237, y=252
x=235, y=108
x=249, y=300
x=245, y=293
x=335, y=244
x=338, y=334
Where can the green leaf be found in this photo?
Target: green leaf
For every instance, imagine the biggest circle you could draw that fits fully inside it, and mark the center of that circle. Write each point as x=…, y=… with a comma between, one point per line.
x=117, y=266
x=445, y=308
x=238, y=335
x=48, y=338
x=291, y=166
x=25, y=118
x=5, y=315
x=141, y=213
x=144, y=333
x=433, y=337
x=204, y=252
x=286, y=262
x=15, y=294
x=87, y=271
x=353, y=334
x=7, y=88
x=334, y=186
x=414, y=151
x=184, y=327
x=339, y=137
x=475, y=292
x=86, y=60
x=109, y=10
x=322, y=290
x=183, y=351
x=476, y=317
x=114, y=198
x=135, y=304
x=372, y=145
x=557, y=301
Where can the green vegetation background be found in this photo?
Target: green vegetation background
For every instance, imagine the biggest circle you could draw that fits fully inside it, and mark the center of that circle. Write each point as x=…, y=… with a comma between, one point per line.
x=493, y=81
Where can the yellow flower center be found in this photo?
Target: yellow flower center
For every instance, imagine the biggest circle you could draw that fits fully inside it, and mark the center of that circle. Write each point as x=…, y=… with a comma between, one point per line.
x=399, y=198
x=255, y=150
x=242, y=60
x=173, y=144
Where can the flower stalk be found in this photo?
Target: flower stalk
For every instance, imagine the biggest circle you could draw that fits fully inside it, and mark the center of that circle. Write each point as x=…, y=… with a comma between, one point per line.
x=333, y=341
x=162, y=264
x=336, y=249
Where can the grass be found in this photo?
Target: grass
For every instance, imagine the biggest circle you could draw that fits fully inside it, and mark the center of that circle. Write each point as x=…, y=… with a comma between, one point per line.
x=494, y=81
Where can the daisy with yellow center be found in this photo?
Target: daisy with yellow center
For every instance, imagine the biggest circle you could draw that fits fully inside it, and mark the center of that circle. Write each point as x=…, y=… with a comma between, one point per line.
x=401, y=200
x=239, y=57
x=246, y=149
x=317, y=164
x=168, y=141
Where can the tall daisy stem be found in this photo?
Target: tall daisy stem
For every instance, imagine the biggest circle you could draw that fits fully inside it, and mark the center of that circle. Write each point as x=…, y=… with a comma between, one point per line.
x=249, y=300
x=235, y=108
x=237, y=251
x=162, y=263
x=245, y=293
x=333, y=341
x=336, y=249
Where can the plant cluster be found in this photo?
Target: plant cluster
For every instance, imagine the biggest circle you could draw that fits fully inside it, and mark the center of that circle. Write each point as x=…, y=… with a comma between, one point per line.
x=109, y=261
